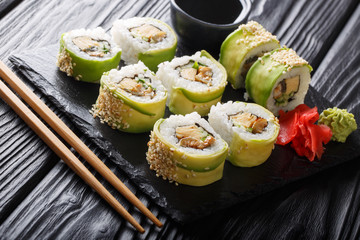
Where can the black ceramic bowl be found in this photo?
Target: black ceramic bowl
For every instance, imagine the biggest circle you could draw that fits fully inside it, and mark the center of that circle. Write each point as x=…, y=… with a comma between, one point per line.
x=204, y=24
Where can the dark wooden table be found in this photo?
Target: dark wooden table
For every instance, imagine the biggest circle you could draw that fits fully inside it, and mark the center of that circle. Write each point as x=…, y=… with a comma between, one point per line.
x=41, y=198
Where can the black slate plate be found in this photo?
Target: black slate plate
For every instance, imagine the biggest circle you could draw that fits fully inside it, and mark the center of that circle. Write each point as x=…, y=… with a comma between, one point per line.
x=182, y=203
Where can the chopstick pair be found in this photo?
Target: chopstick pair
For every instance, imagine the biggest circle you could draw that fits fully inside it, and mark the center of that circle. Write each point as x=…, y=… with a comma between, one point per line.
x=61, y=150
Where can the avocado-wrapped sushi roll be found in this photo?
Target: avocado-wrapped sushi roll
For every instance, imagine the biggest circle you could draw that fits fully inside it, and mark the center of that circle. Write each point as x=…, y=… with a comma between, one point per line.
x=249, y=129
x=131, y=99
x=186, y=150
x=146, y=39
x=279, y=80
x=86, y=54
x=194, y=83
x=242, y=48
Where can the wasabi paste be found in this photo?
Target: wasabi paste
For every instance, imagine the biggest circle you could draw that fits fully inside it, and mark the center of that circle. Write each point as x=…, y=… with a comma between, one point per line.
x=340, y=122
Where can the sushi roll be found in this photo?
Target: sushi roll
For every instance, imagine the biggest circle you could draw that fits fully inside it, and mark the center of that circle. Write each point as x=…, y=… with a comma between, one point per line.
x=146, y=39
x=279, y=80
x=249, y=129
x=186, y=150
x=131, y=99
x=194, y=83
x=86, y=54
x=242, y=48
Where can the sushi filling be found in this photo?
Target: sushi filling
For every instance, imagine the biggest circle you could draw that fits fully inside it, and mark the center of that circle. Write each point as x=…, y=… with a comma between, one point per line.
x=249, y=122
x=248, y=63
x=285, y=90
x=149, y=33
x=194, y=136
x=195, y=71
x=137, y=86
x=92, y=47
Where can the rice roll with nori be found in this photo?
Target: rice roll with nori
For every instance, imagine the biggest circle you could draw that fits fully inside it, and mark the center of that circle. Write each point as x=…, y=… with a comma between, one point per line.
x=131, y=99
x=146, y=39
x=194, y=83
x=242, y=48
x=249, y=129
x=279, y=80
x=86, y=54
x=186, y=150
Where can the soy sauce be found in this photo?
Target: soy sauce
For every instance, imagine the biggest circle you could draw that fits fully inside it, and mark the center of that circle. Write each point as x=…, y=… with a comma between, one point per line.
x=212, y=11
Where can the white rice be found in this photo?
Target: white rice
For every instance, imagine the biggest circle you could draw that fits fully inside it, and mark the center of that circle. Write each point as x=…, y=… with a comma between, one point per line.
x=298, y=97
x=143, y=72
x=168, y=127
x=131, y=45
x=97, y=33
x=219, y=120
x=170, y=76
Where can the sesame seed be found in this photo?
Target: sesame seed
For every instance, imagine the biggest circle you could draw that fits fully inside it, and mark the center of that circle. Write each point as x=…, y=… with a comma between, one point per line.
x=246, y=96
x=287, y=57
x=160, y=159
x=64, y=62
x=111, y=110
x=255, y=33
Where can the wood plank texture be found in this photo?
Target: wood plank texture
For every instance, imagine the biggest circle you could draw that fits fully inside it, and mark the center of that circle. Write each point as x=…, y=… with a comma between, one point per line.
x=25, y=160
x=340, y=67
x=6, y=6
x=309, y=27
x=40, y=198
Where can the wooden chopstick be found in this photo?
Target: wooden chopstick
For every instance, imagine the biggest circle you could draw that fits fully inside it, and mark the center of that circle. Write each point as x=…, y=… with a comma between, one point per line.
x=64, y=131
x=63, y=152
x=61, y=128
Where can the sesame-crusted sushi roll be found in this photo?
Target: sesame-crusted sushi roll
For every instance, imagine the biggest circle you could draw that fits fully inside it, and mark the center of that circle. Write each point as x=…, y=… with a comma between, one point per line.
x=279, y=80
x=194, y=83
x=86, y=54
x=242, y=48
x=249, y=129
x=186, y=150
x=146, y=39
x=131, y=99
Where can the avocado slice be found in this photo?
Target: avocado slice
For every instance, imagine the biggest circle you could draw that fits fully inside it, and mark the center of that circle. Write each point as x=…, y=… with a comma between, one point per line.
x=89, y=70
x=263, y=75
x=183, y=101
x=247, y=152
x=153, y=58
x=233, y=52
x=141, y=116
x=193, y=162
